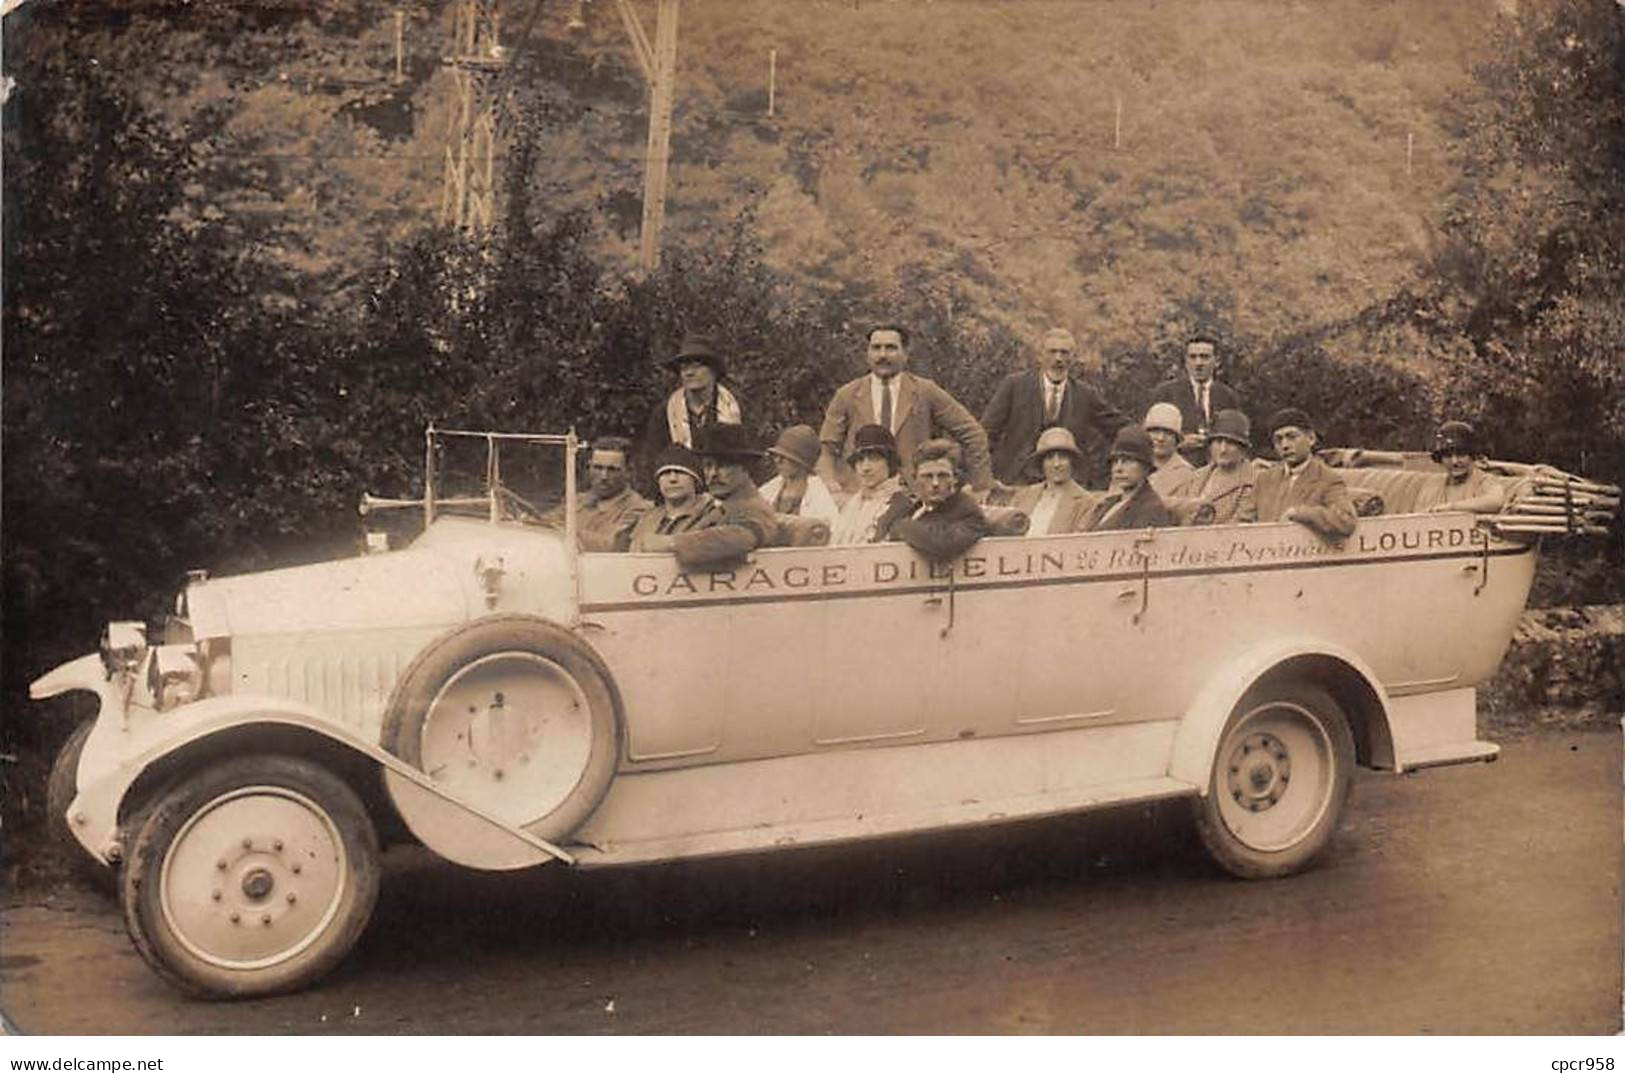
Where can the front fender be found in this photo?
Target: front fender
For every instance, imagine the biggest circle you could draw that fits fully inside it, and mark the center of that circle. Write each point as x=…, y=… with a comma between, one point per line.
x=1197, y=740
x=446, y=824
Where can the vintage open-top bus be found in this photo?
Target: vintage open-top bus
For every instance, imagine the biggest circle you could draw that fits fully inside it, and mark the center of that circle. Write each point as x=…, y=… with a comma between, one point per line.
x=507, y=701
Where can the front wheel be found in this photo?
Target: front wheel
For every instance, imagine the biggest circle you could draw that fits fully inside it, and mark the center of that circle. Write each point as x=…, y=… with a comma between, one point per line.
x=61, y=787
x=251, y=877
x=1280, y=779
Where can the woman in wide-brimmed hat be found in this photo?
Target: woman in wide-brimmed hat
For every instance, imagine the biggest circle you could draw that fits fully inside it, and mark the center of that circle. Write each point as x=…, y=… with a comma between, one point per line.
x=797, y=490
x=1058, y=503
x=879, y=496
x=700, y=401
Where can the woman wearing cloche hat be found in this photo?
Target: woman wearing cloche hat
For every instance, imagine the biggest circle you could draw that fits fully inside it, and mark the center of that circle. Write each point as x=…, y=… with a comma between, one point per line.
x=879, y=499
x=797, y=490
x=1058, y=503
x=1226, y=482
x=1131, y=503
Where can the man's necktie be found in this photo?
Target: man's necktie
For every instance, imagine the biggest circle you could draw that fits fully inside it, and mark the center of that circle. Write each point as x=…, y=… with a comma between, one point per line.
x=885, y=405
x=1052, y=401
x=1206, y=414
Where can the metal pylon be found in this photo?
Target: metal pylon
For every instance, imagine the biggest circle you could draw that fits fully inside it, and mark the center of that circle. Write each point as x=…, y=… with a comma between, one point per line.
x=468, y=199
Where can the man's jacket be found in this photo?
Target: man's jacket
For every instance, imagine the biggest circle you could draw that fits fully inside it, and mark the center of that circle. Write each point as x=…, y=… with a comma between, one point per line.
x=920, y=410
x=1015, y=417
x=1318, y=492
x=943, y=532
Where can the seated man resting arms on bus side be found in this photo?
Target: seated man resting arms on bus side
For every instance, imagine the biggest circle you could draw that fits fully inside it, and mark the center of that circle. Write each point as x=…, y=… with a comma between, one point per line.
x=1131, y=503
x=747, y=521
x=683, y=507
x=946, y=521
x=1302, y=488
x=609, y=508
x=1467, y=485
x=879, y=494
x=1226, y=482
x=1059, y=504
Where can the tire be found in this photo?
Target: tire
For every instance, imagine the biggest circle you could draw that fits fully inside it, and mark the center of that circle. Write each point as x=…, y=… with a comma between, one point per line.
x=1281, y=777
x=61, y=787
x=515, y=716
x=252, y=877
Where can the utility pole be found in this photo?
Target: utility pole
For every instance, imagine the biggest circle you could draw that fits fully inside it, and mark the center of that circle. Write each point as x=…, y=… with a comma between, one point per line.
x=659, y=66
x=468, y=199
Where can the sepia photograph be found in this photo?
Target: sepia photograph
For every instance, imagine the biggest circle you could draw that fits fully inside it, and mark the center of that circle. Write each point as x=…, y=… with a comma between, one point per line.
x=1088, y=519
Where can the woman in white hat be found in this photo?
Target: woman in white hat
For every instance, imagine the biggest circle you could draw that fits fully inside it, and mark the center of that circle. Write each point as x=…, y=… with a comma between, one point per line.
x=1165, y=425
x=1058, y=504
x=797, y=490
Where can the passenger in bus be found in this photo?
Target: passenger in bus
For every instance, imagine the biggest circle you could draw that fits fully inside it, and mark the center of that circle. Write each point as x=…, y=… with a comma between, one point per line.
x=700, y=400
x=747, y=522
x=1049, y=394
x=797, y=489
x=1301, y=488
x=1058, y=504
x=945, y=521
x=879, y=494
x=1467, y=484
x=1164, y=425
x=1199, y=394
x=684, y=504
x=912, y=408
x=1131, y=503
x=609, y=508
x=1226, y=482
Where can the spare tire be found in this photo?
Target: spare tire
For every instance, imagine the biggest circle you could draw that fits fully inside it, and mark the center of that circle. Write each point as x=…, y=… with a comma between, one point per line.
x=513, y=715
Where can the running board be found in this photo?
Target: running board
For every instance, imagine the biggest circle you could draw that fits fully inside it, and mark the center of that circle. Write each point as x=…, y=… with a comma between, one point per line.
x=968, y=813
x=1471, y=752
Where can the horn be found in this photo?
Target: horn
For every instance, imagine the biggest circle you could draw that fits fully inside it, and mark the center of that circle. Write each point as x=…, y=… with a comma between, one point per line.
x=370, y=503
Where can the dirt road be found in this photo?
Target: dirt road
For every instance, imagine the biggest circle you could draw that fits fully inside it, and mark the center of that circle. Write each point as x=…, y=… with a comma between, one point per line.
x=1480, y=899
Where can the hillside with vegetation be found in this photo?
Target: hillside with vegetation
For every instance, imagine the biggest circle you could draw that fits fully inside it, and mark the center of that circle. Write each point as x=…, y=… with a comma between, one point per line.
x=230, y=307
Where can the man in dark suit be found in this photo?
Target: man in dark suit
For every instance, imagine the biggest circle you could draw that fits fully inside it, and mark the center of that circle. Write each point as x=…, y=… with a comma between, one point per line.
x=1026, y=403
x=1199, y=394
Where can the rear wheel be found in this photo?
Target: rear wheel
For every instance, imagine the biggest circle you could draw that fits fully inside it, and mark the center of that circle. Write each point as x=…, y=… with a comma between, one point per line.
x=1280, y=779
x=250, y=878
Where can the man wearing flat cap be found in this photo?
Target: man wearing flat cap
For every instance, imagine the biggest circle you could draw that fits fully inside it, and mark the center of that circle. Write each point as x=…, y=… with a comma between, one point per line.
x=1045, y=396
x=747, y=521
x=1301, y=488
x=912, y=408
x=684, y=505
x=1131, y=502
x=700, y=400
